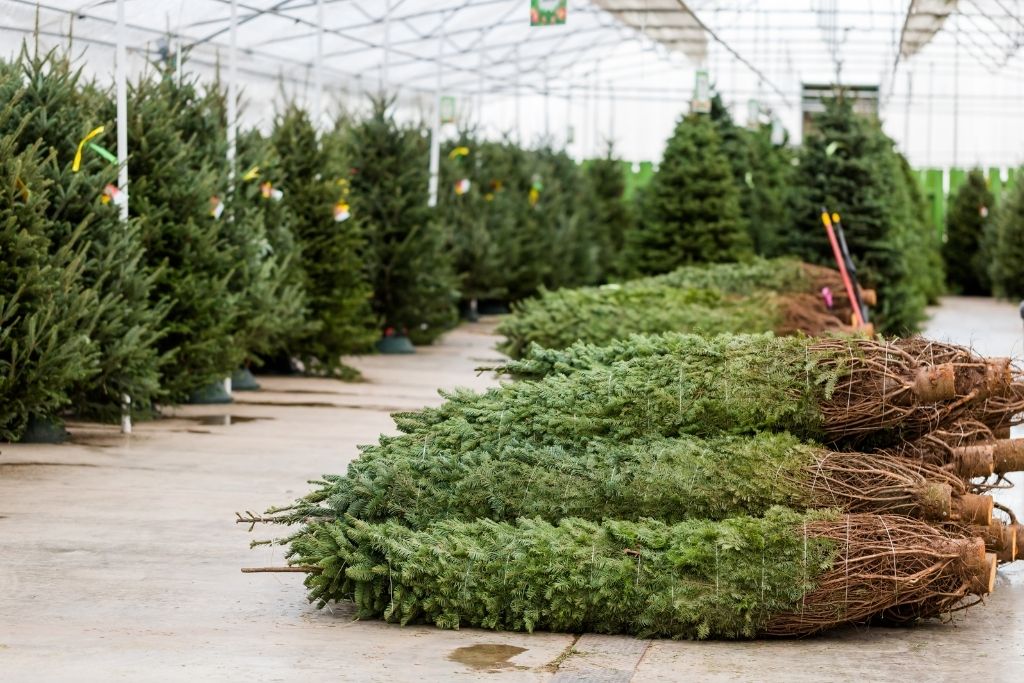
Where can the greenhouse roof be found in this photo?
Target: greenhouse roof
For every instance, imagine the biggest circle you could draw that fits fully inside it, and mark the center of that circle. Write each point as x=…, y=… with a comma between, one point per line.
x=617, y=69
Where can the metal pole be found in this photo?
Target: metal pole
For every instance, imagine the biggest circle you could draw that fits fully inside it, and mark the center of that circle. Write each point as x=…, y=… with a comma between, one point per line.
x=232, y=118
x=232, y=96
x=318, y=67
x=435, y=137
x=515, y=94
x=547, y=107
x=121, y=78
x=386, y=62
x=956, y=94
x=931, y=95
x=906, y=113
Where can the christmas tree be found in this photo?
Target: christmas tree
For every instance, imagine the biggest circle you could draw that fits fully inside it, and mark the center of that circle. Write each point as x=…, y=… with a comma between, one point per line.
x=924, y=248
x=46, y=312
x=692, y=209
x=259, y=231
x=57, y=108
x=1007, y=267
x=414, y=284
x=331, y=245
x=176, y=191
x=606, y=213
x=966, y=223
x=507, y=193
x=466, y=202
x=847, y=166
x=556, y=195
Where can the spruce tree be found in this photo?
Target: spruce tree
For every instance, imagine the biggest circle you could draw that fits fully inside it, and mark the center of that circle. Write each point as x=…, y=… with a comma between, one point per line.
x=467, y=207
x=173, y=191
x=331, y=250
x=46, y=313
x=59, y=109
x=273, y=305
x=924, y=248
x=692, y=209
x=966, y=222
x=570, y=249
x=607, y=214
x=1007, y=267
x=847, y=166
x=414, y=284
x=765, y=197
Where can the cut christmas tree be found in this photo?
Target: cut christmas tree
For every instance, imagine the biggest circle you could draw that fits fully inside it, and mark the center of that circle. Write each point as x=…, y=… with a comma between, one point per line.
x=781, y=574
x=966, y=222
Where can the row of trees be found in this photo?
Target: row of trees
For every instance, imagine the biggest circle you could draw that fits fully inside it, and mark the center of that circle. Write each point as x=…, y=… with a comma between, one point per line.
x=984, y=247
x=723, y=193
x=317, y=245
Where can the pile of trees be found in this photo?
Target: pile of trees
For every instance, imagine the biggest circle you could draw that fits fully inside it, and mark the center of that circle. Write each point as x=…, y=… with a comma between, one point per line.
x=679, y=486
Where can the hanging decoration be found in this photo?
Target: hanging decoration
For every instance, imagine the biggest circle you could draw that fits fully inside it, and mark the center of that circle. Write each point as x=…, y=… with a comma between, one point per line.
x=341, y=212
x=113, y=195
x=536, y=187
x=268, y=191
x=216, y=207
x=103, y=152
x=77, y=164
x=252, y=174
x=701, y=103
x=462, y=186
x=548, y=12
x=458, y=152
x=448, y=109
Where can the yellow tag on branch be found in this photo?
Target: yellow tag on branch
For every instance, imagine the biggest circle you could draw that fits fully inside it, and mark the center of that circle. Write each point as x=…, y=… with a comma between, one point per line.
x=78, y=154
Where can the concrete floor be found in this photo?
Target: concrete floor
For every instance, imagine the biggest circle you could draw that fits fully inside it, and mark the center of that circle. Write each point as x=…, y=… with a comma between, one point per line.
x=119, y=558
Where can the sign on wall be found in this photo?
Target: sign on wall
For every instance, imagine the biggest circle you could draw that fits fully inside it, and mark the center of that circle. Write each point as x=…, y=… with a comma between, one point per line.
x=547, y=12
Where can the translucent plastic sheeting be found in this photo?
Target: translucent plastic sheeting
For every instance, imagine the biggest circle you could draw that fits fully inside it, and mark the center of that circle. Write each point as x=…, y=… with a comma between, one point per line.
x=669, y=22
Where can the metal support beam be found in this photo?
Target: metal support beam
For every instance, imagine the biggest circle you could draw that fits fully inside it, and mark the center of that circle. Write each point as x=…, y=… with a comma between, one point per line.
x=318, y=68
x=121, y=87
x=435, y=136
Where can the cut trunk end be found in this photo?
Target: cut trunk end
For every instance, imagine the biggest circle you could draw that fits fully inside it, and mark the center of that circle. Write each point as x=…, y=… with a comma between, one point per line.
x=979, y=567
x=1006, y=535
x=935, y=501
x=869, y=297
x=935, y=383
x=974, y=461
x=1018, y=534
x=1001, y=432
x=998, y=376
x=1008, y=456
x=974, y=509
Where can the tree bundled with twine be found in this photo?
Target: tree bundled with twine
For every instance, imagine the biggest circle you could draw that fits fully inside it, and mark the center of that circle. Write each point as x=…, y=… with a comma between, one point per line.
x=781, y=574
x=783, y=295
x=670, y=479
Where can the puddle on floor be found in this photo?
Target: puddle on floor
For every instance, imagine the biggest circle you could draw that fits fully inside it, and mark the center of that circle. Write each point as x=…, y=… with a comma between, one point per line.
x=99, y=439
x=287, y=404
x=487, y=656
x=223, y=420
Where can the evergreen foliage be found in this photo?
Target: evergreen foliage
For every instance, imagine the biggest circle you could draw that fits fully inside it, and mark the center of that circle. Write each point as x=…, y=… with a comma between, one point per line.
x=607, y=214
x=331, y=254
x=847, y=165
x=966, y=222
x=1007, y=267
x=171, y=190
x=668, y=479
x=696, y=579
x=602, y=315
x=699, y=298
x=923, y=245
x=45, y=311
x=414, y=284
x=272, y=301
x=691, y=211
x=55, y=107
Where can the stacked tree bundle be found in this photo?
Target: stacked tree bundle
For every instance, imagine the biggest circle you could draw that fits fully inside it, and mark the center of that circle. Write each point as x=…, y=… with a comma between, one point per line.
x=680, y=490
x=783, y=296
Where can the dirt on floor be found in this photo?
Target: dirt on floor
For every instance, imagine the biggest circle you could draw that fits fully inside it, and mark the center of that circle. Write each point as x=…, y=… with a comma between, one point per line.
x=120, y=556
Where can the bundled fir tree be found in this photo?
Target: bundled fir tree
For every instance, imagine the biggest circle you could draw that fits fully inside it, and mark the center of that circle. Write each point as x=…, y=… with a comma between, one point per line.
x=175, y=191
x=691, y=210
x=781, y=574
x=966, y=222
x=606, y=213
x=46, y=312
x=414, y=287
x=1007, y=267
x=58, y=109
x=332, y=246
x=847, y=165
